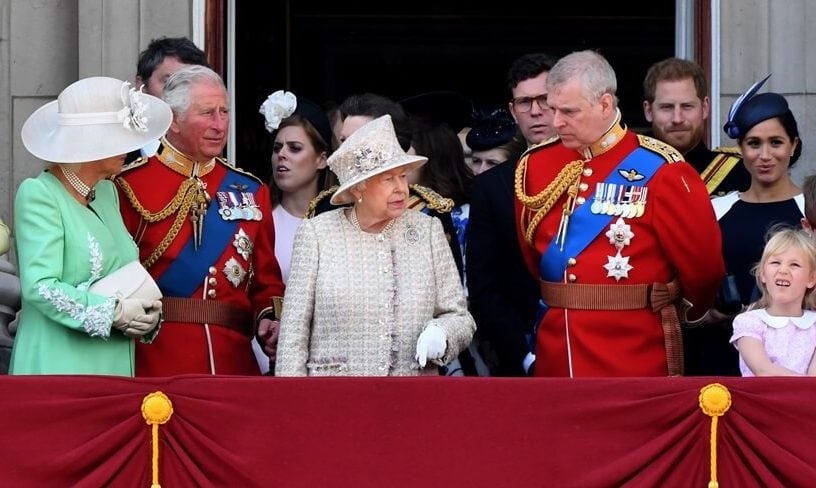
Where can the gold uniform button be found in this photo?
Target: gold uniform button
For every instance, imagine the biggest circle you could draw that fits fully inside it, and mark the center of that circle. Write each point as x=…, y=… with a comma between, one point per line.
x=212, y=270
x=211, y=293
x=587, y=171
x=212, y=281
x=572, y=278
x=583, y=187
x=572, y=261
x=580, y=200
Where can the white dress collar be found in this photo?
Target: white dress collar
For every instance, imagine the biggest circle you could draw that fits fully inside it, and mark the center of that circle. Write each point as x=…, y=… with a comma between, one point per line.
x=804, y=322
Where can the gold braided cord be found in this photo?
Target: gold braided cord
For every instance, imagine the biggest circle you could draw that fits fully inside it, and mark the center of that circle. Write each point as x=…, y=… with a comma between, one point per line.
x=542, y=203
x=180, y=205
x=552, y=192
x=162, y=214
x=181, y=216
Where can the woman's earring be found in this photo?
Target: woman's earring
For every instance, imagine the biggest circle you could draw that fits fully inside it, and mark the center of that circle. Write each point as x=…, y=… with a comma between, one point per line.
x=360, y=200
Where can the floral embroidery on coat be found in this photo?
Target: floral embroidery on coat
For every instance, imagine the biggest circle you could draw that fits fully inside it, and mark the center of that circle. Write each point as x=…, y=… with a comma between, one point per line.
x=95, y=319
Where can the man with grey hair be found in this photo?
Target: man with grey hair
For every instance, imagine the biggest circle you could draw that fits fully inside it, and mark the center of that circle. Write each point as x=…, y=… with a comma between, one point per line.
x=612, y=224
x=204, y=232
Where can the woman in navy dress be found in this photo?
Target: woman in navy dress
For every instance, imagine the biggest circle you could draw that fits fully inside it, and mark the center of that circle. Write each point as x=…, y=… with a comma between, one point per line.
x=768, y=137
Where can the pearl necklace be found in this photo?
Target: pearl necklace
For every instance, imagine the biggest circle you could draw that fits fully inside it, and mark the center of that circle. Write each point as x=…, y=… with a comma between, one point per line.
x=356, y=223
x=78, y=185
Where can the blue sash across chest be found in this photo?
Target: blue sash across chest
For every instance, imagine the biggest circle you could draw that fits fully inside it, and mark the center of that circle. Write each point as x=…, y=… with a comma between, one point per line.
x=186, y=272
x=584, y=226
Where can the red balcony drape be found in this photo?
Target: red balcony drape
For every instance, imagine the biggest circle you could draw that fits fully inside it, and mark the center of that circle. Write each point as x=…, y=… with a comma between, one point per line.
x=88, y=431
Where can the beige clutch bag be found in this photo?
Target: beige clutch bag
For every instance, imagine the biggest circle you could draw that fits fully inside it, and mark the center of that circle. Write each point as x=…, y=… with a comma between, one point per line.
x=130, y=281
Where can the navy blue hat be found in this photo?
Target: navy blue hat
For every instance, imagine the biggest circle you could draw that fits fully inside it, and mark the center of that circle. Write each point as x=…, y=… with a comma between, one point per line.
x=317, y=117
x=491, y=132
x=750, y=109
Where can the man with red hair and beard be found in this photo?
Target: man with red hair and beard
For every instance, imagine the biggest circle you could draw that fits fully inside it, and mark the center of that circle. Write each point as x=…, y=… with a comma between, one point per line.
x=676, y=103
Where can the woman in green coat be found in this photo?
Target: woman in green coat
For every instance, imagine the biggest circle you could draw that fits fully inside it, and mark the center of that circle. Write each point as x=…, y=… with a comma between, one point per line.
x=69, y=233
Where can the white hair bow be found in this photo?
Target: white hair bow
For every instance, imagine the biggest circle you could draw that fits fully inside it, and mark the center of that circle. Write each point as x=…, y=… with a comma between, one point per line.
x=277, y=107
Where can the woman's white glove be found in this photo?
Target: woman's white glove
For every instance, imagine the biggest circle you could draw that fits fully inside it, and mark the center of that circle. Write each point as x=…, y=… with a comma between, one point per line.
x=431, y=344
x=136, y=317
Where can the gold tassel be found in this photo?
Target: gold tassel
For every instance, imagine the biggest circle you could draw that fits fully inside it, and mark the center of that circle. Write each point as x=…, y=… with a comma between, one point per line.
x=156, y=409
x=715, y=400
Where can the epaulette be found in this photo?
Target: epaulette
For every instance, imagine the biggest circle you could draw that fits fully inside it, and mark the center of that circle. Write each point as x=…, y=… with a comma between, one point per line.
x=314, y=202
x=729, y=150
x=542, y=144
x=237, y=169
x=433, y=200
x=668, y=152
x=141, y=161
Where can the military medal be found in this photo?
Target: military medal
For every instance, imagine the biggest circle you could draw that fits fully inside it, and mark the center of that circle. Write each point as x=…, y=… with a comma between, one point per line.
x=641, y=207
x=234, y=272
x=620, y=234
x=224, y=208
x=617, y=266
x=243, y=244
x=252, y=209
x=597, y=204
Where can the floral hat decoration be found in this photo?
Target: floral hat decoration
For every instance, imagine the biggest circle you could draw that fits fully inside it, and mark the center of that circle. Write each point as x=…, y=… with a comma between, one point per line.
x=370, y=150
x=95, y=118
x=283, y=104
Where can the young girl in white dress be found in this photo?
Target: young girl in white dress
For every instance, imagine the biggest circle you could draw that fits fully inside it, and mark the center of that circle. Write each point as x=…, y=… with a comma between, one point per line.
x=777, y=337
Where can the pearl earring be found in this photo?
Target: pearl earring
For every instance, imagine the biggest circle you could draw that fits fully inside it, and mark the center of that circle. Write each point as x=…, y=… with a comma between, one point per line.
x=360, y=200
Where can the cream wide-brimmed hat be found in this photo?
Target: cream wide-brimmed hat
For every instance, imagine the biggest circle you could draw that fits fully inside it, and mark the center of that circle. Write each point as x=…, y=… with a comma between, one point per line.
x=370, y=150
x=95, y=118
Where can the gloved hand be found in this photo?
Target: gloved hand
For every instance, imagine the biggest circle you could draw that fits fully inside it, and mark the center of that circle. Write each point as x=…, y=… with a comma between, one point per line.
x=136, y=317
x=431, y=344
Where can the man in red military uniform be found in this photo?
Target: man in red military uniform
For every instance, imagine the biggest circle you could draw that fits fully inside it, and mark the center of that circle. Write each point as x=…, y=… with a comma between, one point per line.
x=204, y=231
x=618, y=229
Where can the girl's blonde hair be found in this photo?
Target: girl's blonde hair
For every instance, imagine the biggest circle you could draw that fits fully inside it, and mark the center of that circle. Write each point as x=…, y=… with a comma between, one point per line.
x=782, y=239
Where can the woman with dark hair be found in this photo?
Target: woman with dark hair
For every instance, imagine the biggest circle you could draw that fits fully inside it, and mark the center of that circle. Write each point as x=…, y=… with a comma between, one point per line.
x=445, y=172
x=301, y=145
x=768, y=137
x=302, y=139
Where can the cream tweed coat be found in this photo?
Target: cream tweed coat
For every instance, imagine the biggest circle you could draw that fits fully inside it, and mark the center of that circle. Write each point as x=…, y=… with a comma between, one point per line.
x=356, y=302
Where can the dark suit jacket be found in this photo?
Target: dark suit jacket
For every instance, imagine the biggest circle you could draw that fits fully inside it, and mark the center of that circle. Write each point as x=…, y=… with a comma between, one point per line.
x=738, y=178
x=503, y=296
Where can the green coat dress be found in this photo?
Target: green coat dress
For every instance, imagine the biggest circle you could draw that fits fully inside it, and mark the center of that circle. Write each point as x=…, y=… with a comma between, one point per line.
x=63, y=247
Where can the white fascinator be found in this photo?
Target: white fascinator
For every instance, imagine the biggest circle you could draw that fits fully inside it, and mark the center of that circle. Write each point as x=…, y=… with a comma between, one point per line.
x=277, y=107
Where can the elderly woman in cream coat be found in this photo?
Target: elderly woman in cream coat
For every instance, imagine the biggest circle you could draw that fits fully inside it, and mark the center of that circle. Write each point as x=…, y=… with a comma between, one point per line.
x=373, y=289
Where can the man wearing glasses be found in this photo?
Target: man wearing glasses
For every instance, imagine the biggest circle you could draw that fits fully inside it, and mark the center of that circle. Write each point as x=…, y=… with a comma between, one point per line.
x=503, y=296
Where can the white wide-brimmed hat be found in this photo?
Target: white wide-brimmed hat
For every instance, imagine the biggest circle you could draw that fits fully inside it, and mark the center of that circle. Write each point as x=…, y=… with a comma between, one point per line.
x=95, y=118
x=370, y=150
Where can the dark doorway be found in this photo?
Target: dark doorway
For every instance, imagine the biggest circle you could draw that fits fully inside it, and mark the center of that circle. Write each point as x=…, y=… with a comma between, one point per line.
x=327, y=52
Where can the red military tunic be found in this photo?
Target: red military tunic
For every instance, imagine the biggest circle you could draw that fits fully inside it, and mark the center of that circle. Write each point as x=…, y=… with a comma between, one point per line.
x=234, y=265
x=675, y=237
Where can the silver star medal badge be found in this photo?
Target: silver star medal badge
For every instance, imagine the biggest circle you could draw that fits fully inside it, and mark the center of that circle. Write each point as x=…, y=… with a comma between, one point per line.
x=243, y=244
x=620, y=235
x=234, y=272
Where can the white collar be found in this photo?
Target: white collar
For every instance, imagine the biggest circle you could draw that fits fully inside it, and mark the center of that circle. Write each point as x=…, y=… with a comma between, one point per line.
x=804, y=322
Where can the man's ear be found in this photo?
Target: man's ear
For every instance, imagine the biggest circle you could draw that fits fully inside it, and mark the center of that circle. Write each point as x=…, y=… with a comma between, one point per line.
x=647, y=110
